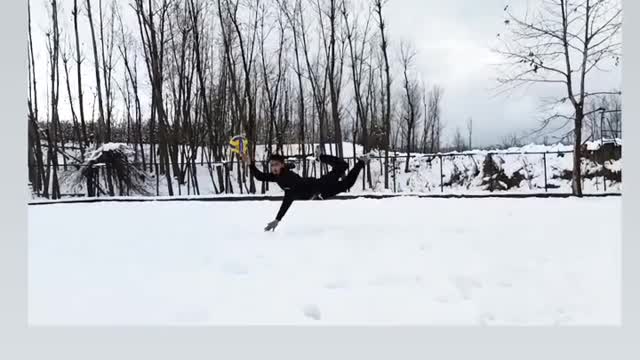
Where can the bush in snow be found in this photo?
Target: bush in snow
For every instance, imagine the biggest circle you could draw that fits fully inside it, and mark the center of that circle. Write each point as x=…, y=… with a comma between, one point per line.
x=494, y=176
x=109, y=168
x=599, y=160
x=601, y=152
x=461, y=174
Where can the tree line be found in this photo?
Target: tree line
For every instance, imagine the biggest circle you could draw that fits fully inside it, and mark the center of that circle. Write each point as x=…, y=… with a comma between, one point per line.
x=175, y=79
x=188, y=75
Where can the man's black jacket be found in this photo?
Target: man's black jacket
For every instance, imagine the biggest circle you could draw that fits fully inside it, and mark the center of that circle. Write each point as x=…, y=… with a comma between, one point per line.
x=294, y=186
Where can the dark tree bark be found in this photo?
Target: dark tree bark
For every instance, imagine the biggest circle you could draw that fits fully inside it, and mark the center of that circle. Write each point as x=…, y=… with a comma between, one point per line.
x=35, y=157
x=386, y=113
x=83, y=141
x=100, y=136
x=153, y=39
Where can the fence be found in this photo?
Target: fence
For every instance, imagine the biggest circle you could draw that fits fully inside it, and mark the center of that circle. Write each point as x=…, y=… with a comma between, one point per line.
x=435, y=173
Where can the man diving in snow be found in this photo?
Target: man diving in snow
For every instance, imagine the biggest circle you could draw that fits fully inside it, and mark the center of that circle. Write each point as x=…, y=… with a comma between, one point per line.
x=299, y=188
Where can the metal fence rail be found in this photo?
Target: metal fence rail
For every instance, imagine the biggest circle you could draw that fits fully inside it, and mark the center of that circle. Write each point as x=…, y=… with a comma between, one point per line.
x=224, y=198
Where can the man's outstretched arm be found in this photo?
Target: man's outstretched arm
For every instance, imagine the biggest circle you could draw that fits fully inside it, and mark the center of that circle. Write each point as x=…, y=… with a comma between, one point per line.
x=286, y=204
x=259, y=175
x=284, y=207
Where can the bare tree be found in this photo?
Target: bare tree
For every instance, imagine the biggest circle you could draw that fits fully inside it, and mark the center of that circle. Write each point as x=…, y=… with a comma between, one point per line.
x=246, y=44
x=53, y=133
x=36, y=165
x=511, y=140
x=272, y=79
x=386, y=113
x=132, y=79
x=294, y=25
x=100, y=138
x=426, y=125
x=196, y=12
x=434, y=121
x=411, y=112
x=74, y=117
x=83, y=141
x=470, y=132
x=107, y=63
x=603, y=119
x=151, y=21
x=335, y=60
x=458, y=140
x=359, y=57
x=561, y=44
x=318, y=82
x=611, y=124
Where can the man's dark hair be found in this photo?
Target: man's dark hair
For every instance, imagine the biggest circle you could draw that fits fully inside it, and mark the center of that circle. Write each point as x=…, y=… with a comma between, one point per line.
x=276, y=157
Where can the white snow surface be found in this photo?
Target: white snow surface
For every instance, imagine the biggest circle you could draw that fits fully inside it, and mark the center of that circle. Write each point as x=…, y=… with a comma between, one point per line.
x=397, y=261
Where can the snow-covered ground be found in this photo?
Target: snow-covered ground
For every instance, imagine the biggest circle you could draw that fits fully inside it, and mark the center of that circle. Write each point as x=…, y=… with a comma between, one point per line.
x=356, y=262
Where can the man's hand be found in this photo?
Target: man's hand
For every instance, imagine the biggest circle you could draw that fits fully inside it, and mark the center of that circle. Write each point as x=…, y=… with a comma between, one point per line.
x=245, y=157
x=272, y=225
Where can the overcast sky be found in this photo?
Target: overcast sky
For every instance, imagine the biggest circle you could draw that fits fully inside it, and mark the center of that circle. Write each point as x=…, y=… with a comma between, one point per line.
x=453, y=40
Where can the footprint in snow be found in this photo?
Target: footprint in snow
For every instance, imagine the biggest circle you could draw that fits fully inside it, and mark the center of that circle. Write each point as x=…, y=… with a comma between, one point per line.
x=312, y=311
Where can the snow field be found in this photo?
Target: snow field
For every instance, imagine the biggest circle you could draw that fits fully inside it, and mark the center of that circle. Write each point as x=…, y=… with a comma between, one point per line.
x=344, y=262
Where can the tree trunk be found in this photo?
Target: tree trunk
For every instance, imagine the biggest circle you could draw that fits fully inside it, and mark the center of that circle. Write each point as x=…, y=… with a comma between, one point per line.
x=84, y=142
x=100, y=133
x=387, y=110
x=577, y=154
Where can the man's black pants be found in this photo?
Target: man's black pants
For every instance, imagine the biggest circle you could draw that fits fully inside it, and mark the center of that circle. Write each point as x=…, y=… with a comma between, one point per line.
x=335, y=182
